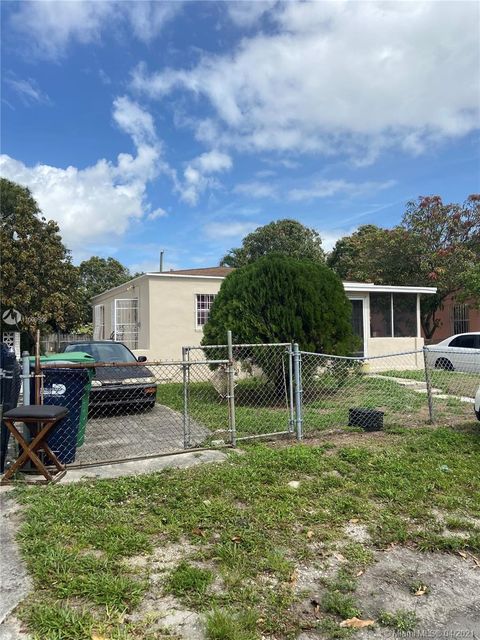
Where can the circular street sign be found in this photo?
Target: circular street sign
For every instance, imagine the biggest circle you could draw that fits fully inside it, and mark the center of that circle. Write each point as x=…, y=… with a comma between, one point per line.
x=11, y=316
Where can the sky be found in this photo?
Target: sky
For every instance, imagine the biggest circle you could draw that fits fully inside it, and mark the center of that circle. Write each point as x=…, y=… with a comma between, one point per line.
x=183, y=126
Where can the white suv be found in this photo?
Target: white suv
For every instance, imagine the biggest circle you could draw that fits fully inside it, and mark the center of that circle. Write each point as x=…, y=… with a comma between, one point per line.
x=457, y=353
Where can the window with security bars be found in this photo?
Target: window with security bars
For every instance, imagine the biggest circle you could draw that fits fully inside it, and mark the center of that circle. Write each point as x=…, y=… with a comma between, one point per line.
x=203, y=304
x=99, y=322
x=126, y=322
x=461, y=320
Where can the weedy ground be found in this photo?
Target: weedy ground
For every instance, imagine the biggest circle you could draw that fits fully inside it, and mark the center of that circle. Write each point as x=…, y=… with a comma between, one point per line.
x=272, y=543
x=326, y=401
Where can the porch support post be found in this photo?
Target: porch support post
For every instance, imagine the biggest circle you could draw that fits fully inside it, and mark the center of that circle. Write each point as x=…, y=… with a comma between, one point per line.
x=419, y=324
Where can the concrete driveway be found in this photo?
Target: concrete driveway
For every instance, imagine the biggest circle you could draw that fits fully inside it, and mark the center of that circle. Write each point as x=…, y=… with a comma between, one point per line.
x=135, y=435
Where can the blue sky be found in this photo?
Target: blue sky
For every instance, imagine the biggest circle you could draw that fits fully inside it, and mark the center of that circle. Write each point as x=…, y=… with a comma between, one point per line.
x=182, y=126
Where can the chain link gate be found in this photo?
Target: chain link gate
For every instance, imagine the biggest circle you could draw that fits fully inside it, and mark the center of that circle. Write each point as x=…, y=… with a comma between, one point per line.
x=215, y=396
x=127, y=411
x=263, y=375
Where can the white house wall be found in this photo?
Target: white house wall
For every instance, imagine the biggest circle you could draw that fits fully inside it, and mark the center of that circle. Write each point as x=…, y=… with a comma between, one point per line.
x=138, y=289
x=167, y=318
x=173, y=314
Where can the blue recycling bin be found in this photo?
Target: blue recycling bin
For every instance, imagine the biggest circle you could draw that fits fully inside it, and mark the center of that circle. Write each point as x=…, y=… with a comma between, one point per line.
x=64, y=387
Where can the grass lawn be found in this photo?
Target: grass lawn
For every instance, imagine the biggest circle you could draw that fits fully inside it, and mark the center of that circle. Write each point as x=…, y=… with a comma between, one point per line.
x=241, y=534
x=451, y=382
x=326, y=403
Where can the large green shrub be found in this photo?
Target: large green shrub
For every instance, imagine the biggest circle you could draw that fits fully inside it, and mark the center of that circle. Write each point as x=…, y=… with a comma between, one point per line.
x=282, y=299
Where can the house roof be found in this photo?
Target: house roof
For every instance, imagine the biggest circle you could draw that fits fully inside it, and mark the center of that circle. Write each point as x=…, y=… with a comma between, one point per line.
x=220, y=272
x=352, y=287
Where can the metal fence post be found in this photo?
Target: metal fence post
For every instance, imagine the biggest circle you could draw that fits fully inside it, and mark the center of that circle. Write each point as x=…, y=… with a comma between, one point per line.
x=186, y=389
x=297, y=368
x=26, y=377
x=431, y=409
x=291, y=401
x=231, y=392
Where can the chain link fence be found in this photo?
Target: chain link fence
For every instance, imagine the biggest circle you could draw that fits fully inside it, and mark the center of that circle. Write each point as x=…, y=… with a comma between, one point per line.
x=453, y=378
x=263, y=386
x=223, y=394
x=409, y=389
x=135, y=410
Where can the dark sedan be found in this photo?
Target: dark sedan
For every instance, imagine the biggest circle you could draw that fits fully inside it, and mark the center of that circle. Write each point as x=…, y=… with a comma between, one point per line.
x=117, y=388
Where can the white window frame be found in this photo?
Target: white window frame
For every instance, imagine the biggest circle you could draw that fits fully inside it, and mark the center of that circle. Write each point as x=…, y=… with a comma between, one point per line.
x=99, y=322
x=211, y=296
x=131, y=340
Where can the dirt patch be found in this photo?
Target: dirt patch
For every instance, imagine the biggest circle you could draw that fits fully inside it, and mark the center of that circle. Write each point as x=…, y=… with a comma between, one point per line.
x=308, y=578
x=163, y=558
x=450, y=607
x=452, y=602
x=340, y=438
x=165, y=611
x=168, y=614
x=357, y=532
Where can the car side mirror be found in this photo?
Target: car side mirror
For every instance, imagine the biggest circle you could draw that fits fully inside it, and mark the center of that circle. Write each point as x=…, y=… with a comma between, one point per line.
x=142, y=359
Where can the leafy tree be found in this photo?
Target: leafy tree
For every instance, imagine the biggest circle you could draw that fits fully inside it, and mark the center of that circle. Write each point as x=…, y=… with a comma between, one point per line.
x=284, y=237
x=436, y=245
x=98, y=275
x=471, y=286
x=37, y=275
x=350, y=259
x=282, y=299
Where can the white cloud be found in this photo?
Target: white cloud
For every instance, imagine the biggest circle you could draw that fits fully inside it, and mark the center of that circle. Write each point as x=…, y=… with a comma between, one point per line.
x=328, y=188
x=149, y=18
x=245, y=13
x=330, y=237
x=213, y=161
x=50, y=26
x=221, y=230
x=197, y=175
x=256, y=189
x=100, y=201
x=266, y=173
x=157, y=213
x=340, y=77
x=134, y=120
x=28, y=90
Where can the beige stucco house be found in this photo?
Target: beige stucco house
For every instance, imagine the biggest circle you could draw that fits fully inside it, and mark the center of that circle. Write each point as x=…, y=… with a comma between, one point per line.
x=156, y=314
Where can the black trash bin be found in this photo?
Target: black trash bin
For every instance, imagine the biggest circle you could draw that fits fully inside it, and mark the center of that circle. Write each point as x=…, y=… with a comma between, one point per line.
x=10, y=383
x=64, y=387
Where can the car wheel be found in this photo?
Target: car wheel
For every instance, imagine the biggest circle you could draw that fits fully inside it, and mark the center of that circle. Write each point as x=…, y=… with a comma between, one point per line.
x=477, y=413
x=445, y=364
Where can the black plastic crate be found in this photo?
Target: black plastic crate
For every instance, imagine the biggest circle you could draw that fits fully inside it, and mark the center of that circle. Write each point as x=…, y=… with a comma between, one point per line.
x=367, y=419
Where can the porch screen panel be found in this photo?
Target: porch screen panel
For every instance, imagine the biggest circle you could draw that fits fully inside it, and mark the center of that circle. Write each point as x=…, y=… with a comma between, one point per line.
x=380, y=315
x=126, y=322
x=405, y=315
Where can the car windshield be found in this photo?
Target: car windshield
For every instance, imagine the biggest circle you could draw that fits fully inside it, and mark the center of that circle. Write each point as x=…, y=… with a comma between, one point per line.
x=103, y=352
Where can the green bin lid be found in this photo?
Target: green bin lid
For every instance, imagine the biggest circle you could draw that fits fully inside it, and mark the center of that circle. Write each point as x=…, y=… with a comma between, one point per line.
x=72, y=356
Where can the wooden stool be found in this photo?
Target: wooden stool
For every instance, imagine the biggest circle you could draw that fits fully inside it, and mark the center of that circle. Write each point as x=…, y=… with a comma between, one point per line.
x=46, y=416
